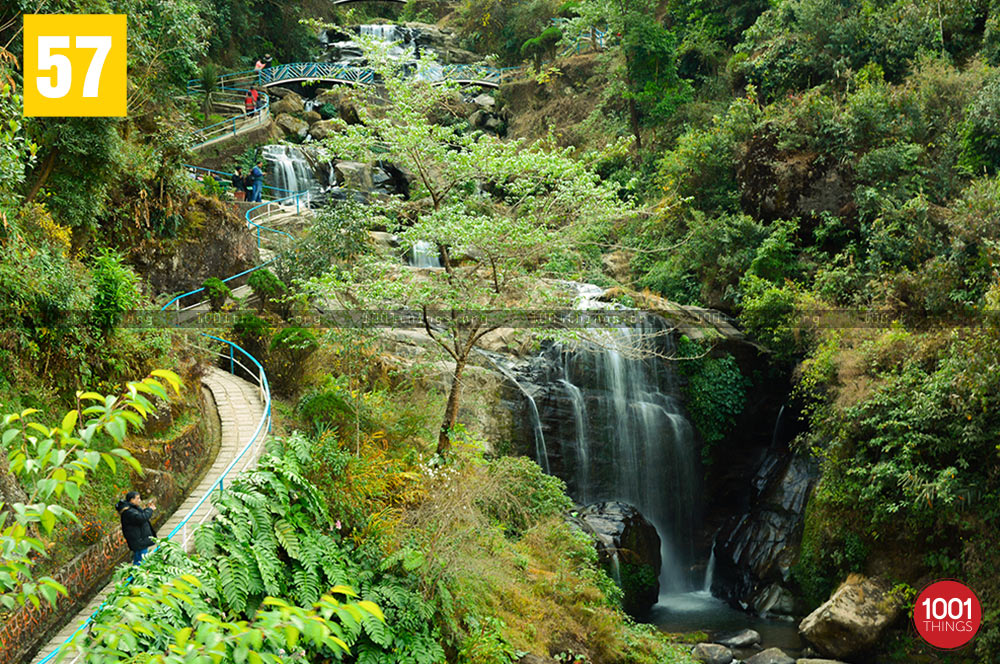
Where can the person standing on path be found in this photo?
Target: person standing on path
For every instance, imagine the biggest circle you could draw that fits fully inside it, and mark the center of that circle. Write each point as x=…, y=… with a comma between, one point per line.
x=239, y=185
x=136, y=528
x=257, y=177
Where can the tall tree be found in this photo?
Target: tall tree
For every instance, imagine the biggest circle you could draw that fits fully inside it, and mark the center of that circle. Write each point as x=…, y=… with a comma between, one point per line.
x=643, y=57
x=495, y=210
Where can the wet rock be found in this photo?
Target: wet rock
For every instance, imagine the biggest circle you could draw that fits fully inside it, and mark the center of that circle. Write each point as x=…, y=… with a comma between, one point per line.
x=494, y=124
x=322, y=129
x=354, y=174
x=312, y=117
x=853, y=619
x=741, y=639
x=291, y=126
x=279, y=92
x=630, y=546
x=712, y=653
x=755, y=550
x=213, y=240
x=485, y=101
x=290, y=103
x=478, y=119
x=770, y=656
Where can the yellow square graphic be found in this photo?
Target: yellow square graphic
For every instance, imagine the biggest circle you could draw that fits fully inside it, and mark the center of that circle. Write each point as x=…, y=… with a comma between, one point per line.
x=75, y=65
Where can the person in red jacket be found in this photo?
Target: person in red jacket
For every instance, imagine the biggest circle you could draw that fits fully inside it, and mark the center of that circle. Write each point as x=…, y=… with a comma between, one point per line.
x=248, y=104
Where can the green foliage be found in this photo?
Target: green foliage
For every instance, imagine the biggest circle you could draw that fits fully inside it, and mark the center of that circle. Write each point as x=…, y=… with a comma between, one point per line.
x=767, y=311
x=268, y=288
x=115, y=289
x=55, y=464
x=286, y=360
x=217, y=292
x=981, y=132
x=210, y=187
x=714, y=391
x=529, y=495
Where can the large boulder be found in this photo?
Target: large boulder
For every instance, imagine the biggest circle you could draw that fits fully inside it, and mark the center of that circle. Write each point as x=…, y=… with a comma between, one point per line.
x=742, y=639
x=354, y=174
x=629, y=545
x=853, y=619
x=290, y=103
x=770, y=656
x=291, y=126
x=322, y=129
x=312, y=117
x=712, y=653
x=211, y=240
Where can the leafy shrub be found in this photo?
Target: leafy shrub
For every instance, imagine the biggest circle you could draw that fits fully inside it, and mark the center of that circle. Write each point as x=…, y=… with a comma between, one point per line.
x=714, y=391
x=981, y=131
x=768, y=313
x=529, y=495
x=217, y=292
x=115, y=289
x=288, y=352
x=268, y=289
x=211, y=187
x=252, y=334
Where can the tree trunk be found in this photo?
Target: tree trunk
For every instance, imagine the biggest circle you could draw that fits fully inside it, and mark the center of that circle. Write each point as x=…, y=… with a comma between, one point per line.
x=633, y=111
x=451, y=410
x=43, y=177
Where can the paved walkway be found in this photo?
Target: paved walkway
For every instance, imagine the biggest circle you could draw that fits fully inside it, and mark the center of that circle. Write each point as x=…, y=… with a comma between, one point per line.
x=240, y=410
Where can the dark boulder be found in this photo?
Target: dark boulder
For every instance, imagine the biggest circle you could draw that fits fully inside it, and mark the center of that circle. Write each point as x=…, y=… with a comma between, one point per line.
x=629, y=546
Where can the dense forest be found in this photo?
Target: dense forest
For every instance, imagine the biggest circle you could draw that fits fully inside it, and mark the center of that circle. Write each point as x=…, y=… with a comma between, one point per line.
x=798, y=200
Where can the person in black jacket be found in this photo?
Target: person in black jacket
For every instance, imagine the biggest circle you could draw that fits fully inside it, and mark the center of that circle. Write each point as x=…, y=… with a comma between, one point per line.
x=239, y=185
x=136, y=528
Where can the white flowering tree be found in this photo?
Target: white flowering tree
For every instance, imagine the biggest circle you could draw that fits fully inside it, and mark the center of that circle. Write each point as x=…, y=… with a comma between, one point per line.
x=495, y=210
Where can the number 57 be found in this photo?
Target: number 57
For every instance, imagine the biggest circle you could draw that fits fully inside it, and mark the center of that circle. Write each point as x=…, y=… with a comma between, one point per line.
x=64, y=69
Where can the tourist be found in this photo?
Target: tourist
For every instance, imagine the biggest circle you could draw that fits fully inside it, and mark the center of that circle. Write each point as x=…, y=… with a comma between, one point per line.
x=248, y=104
x=136, y=528
x=257, y=177
x=239, y=185
x=258, y=65
x=267, y=60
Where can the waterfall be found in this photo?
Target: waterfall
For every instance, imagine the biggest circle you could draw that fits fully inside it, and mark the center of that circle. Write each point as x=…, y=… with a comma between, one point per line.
x=424, y=254
x=709, y=572
x=618, y=432
x=541, y=453
x=288, y=169
x=381, y=31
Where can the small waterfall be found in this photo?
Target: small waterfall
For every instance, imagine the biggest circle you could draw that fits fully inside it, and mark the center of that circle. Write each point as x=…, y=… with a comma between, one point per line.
x=616, y=568
x=381, y=31
x=709, y=572
x=541, y=453
x=580, y=422
x=288, y=169
x=424, y=254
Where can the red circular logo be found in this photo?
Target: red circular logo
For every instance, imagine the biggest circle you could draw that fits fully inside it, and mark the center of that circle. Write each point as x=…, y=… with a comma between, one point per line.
x=947, y=614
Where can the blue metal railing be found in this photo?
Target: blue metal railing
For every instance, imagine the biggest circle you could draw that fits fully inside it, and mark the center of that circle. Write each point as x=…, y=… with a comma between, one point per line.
x=254, y=440
x=262, y=381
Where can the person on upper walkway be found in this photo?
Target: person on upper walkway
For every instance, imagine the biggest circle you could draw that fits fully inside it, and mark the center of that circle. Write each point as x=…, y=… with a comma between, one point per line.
x=259, y=64
x=257, y=177
x=136, y=527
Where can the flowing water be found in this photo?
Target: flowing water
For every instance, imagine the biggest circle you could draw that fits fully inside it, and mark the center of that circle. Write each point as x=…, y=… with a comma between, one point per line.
x=288, y=169
x=424, y=254
x=611, y=414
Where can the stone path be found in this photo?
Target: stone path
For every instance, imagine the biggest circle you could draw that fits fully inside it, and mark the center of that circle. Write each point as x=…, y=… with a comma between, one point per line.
x=240, y=411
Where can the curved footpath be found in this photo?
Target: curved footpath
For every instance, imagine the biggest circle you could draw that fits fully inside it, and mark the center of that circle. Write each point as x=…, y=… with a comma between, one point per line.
x=240, y=410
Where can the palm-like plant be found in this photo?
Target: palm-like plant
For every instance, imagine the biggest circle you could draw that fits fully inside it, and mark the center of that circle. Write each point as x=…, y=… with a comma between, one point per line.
x=209, y=78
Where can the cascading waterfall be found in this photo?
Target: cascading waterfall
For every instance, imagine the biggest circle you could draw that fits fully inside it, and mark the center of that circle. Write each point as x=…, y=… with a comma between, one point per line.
x=709, y=572
x=424, y=254
x=288, y=169
x=628, y=439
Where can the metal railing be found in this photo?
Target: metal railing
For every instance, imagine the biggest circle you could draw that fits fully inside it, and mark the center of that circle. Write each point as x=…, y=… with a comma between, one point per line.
x=256, y=370
x=187, y=525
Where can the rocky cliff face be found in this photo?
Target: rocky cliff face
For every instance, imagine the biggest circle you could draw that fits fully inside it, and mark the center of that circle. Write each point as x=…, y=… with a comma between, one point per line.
x=213, y=241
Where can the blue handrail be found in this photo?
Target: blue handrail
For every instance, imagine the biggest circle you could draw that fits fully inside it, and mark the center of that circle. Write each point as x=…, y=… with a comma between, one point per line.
x=263, y=382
